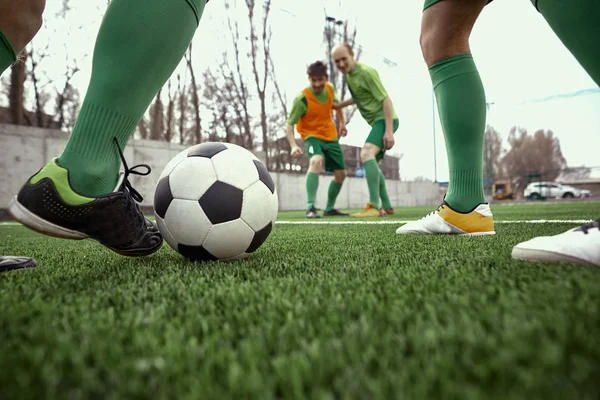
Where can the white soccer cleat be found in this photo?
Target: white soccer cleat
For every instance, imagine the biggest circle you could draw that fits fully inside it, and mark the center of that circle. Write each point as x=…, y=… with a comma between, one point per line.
x=445, y=220
x=579, y=245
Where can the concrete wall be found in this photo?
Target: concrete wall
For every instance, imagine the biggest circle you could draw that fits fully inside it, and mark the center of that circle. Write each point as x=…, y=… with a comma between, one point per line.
x=23, y=150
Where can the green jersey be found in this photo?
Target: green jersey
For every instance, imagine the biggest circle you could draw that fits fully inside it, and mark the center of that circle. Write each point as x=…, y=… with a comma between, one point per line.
x=299, y=106
x=368, y=93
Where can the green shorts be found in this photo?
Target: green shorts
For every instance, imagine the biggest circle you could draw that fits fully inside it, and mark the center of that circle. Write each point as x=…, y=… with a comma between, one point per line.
x=429, y=3
x=331, y=152
x=376, y=135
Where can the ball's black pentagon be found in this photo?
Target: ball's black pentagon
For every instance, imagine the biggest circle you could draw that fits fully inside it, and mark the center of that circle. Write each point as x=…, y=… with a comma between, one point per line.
x=195, y=253
x=162, y=197
x=222, y=202
x=264, y=176
x=259, y=238
x=208, y=149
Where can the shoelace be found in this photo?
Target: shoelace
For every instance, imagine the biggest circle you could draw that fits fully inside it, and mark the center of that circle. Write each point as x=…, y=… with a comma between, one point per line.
x=134, y=193
x=585, y=228
x=441, y=206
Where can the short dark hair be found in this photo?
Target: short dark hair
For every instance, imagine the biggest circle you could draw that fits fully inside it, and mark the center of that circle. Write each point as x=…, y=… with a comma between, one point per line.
x=317, y=68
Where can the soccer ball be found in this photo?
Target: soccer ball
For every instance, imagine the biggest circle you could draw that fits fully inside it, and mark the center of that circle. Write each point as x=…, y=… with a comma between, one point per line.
x=215, y=201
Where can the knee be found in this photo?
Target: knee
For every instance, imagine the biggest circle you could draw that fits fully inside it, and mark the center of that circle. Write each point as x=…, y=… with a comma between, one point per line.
x=437, y=42
x=22, y=22
x=32, y=16
x=367, y=153
x=36, y=11
x=427, y=42
x=339, y=175
x=315, y=164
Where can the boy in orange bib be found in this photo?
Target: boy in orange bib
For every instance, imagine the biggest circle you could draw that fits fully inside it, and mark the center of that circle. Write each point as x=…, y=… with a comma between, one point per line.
x=311, y=113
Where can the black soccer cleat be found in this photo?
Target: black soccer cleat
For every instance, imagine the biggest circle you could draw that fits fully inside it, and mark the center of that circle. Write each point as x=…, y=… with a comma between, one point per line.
x=334, y=213
x=48, y=204
x=11, y=263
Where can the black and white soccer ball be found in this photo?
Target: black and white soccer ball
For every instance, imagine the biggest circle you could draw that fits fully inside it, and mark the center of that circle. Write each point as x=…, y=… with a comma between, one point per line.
x=215, y=201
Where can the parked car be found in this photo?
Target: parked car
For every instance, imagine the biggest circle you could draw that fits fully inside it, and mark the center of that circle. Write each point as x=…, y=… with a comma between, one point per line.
x=537, y=190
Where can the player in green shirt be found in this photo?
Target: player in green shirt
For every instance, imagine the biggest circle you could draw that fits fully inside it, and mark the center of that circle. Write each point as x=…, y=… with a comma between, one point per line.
x=375, y=106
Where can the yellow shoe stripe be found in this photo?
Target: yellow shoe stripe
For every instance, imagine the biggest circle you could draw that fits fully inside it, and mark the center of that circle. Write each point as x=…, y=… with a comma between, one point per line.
x=470, y=223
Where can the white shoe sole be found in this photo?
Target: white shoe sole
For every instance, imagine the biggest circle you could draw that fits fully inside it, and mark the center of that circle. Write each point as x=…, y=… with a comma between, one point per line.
x=545, y=256
x=32, y=221
x=446, y=233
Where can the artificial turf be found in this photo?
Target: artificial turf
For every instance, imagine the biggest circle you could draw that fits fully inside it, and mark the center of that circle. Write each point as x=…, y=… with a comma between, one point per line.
x=319, y=311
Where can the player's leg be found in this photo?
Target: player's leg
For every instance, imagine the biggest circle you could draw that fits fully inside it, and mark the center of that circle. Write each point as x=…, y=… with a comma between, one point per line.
x=124, y=81
x=445, y=30
x=373, y=152
x=312, y=147
x=386, y=204
x=81, y=194
x=577, y=25
x=368, y=156
x=20, y=20
x=334, y=161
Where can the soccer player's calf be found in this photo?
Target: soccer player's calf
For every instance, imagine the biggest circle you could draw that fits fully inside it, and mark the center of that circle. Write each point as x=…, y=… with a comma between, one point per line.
x=81, y=194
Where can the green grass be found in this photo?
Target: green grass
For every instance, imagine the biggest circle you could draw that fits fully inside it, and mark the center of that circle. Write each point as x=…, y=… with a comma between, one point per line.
x=326, y=312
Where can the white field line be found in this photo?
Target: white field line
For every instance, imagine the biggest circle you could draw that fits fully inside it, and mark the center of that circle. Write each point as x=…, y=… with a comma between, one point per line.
x=394, y=222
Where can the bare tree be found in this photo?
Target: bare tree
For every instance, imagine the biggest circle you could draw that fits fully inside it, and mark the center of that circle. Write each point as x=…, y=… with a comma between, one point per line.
x=182, y=109
x=67, y=100
x=168, y=134
x=261, y=45
x=279, y=120
x=492, y=154
x=240, y=90
x=156, y=118
x=220, y=94
x=280, y=95
x=194, y=95
x=40, y=96
x=142, y=127
x=16, y=92
x=537, y=154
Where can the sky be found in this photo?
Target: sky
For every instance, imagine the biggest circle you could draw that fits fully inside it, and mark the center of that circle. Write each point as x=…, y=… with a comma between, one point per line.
x=519, y=58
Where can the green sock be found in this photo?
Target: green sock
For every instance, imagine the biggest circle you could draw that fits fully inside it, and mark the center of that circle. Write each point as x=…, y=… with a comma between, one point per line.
x=139, y=44
x=332, y=194
x=7, y=53
x=576, y=24
x=461, y=105
x=312, y=184
x=372, y=174
x=385, y=199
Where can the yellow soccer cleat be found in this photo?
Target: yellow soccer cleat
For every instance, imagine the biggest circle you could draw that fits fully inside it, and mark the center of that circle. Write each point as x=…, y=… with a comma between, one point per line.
x=369, y=211
x=445, y=220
